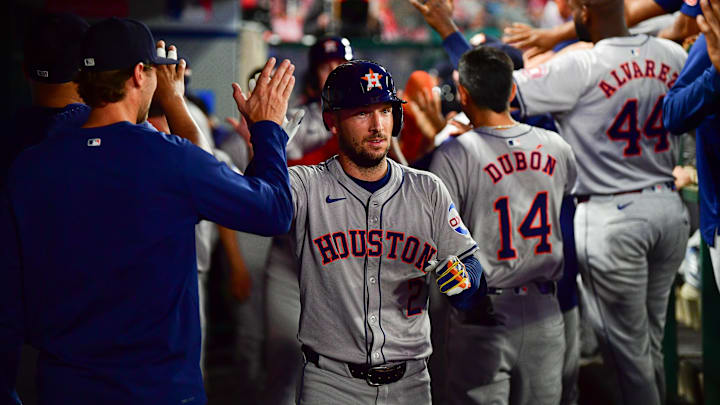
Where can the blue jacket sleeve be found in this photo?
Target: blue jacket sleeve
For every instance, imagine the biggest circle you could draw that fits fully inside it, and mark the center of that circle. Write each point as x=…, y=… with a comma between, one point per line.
x=456, y=45
x=11, y=307
x=465, y=299
x=260, y=203
x=696, y=92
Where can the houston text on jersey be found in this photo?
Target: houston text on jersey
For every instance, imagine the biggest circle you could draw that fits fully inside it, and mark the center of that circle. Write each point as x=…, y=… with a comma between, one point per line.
x=358, y=243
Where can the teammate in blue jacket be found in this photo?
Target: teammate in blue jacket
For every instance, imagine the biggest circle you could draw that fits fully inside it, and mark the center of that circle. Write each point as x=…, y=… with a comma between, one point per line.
x=51, y=56
x=97, y=264
x=694, y=103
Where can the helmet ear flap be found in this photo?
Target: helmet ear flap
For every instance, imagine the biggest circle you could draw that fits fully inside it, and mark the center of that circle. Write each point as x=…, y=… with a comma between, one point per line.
x=325, y=120
x=397, y=119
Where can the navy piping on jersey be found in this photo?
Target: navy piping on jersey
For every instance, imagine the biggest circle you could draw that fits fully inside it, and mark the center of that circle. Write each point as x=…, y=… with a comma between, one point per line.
x=503, y=137
x=307, y=220
x=382, y=347
x=463, y=254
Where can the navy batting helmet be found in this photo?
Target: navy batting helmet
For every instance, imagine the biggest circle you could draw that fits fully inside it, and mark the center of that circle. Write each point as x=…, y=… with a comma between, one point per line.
x=329, y=48
x=359, y=83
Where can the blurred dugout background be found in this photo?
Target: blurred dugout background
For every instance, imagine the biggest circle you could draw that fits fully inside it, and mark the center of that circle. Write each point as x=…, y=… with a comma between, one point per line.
x=227, y=40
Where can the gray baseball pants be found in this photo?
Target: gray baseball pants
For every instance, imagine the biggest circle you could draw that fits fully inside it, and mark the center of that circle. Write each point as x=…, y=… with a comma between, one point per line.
x=283, y=357
x=519, y=360
x=571, y=363
x=629, y=248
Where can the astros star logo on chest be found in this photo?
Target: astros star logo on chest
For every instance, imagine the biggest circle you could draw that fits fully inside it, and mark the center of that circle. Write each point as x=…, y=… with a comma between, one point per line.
x=373, y=80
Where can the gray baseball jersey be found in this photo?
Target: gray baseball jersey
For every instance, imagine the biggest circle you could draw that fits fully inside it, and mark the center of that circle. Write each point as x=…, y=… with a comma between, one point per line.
x=363, y=288
x=607, y=102
x=509, y=185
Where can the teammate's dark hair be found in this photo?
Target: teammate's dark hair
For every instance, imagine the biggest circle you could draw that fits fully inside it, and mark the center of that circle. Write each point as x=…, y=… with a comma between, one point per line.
x=100, y=88
x=486, y=73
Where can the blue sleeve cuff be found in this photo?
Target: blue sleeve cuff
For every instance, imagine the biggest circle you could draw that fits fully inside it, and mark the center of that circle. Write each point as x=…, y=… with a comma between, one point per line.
x=261, y=131
x=691, y=11
x=456, y=45
x=465, y=299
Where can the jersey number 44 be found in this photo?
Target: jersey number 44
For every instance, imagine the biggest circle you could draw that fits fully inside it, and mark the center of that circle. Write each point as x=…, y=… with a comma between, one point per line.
x=625, y=128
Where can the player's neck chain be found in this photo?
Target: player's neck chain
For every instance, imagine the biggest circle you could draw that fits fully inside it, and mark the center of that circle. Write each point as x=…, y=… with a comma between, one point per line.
x=506, y=126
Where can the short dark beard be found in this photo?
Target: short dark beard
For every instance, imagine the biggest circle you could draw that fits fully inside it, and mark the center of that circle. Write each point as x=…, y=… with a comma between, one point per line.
x=359, y=157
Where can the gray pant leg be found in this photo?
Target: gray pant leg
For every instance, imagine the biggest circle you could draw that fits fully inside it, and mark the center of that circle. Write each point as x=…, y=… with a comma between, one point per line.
x=283, y=357
x=571, y=364
x=663, y=263
x=202, y=307
x=250, y=328
x=517, y=362
x=537, y=378
x=628, y=259
x=715, y=259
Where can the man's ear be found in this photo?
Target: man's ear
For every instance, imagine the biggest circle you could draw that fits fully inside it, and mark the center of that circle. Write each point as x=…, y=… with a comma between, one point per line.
x=330, y=121
x=463, y=95
x=585, y=15
x=513, y=92
x=139, y=75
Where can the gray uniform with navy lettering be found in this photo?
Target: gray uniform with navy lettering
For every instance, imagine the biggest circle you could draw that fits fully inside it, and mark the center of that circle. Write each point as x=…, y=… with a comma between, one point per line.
x=607, y=102
x=509, y=185
x=363, y=288
x=631, y=228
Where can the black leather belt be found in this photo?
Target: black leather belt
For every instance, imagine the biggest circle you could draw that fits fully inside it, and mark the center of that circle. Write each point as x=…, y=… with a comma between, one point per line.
x=375, y=376
x=544, y=287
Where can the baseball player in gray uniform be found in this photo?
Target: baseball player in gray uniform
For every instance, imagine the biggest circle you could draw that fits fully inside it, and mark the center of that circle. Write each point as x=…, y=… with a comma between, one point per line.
x=367, y=232
x=312, y=144
x=508, y=180
x=631, y=227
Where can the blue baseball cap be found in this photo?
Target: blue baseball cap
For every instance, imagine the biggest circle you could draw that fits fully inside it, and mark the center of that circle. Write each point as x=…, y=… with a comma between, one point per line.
x=51, y=47
x=119, y=43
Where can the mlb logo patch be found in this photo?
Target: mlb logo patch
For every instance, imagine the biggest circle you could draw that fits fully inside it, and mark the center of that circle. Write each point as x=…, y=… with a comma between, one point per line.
x=94, y=142
x=373, y=80
x=42, y=73
x=89, y=61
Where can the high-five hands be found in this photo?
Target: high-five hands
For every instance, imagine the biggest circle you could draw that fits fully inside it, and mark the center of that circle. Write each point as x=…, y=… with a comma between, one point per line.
x=269, y=100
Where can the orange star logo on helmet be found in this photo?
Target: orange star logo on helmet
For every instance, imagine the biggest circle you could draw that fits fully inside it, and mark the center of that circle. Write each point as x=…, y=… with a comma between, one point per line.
x=373, y=80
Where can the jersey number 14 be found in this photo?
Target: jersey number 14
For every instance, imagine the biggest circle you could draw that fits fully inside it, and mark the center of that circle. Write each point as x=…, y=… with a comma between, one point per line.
x=528, y=228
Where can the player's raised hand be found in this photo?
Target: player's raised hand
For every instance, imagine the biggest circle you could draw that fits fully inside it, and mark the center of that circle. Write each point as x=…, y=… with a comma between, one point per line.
x=170, y=78
x=451, y=276
x=536, y=40
x=269, y=100
x=709, y=23
x=438, y=15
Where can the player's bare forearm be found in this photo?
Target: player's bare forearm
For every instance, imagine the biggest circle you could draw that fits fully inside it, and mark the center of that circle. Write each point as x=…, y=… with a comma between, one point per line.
x=709, y=24
x=182, y=124
x=683, y=27
x=538, y=40
x=170, y=94
x=438, y=15
x=638, y=11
